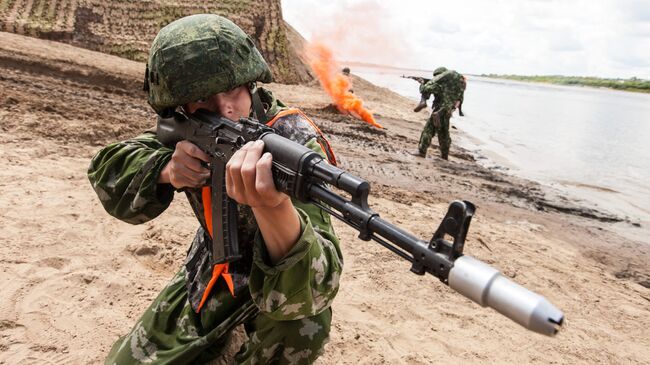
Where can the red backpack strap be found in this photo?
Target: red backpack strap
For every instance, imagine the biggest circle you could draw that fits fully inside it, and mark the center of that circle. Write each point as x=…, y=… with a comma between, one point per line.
x=292, y=123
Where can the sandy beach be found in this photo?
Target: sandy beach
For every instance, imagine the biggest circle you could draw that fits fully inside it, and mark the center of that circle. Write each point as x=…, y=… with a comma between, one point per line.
x=74, y=279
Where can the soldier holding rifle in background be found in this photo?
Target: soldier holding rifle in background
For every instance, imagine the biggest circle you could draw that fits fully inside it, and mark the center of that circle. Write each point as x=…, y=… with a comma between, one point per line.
x=447, y=87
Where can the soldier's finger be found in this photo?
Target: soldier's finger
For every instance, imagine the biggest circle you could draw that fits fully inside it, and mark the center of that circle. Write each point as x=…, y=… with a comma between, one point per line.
x=179, y=181
x=233, y=172
x=229, y=185
x=192, y=163
x=192, y=150
x=249, y=167
x=264, y=184
x=189, y=177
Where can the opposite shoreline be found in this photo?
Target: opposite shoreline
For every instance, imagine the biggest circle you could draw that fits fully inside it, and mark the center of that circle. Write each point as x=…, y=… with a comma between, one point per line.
x=632, y=84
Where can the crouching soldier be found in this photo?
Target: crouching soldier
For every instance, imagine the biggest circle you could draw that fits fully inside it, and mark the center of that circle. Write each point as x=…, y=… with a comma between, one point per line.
x=282, y=287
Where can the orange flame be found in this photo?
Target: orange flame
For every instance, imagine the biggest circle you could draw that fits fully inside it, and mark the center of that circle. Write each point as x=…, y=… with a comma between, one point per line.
x=337, y=85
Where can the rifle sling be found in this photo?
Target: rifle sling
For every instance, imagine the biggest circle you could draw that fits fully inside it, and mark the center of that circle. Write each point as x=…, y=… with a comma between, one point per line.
x=258, y=107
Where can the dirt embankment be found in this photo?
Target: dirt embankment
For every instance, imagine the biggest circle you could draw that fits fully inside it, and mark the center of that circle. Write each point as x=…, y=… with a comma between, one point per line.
x=74, y=278
x=126, y=28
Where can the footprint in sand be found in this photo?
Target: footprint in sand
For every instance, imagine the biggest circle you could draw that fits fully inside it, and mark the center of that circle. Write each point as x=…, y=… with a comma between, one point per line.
x=54, y=262
x=23, y=354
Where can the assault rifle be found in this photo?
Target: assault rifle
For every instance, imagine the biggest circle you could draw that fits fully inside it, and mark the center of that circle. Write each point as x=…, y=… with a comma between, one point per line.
x=421, y=80
x=304, y=175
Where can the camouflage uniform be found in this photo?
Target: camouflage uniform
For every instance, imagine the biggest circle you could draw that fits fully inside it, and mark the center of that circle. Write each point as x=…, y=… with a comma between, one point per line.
x=447, y=89
x=462, y=96
x=285, y=307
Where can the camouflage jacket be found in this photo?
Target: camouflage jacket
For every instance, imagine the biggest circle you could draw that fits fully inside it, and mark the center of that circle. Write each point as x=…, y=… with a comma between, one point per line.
x=124, y=175
x=447, y=88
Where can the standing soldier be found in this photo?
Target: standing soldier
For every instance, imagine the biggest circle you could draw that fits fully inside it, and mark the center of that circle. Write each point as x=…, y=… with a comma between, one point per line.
x=282, y=287
x=447, y=87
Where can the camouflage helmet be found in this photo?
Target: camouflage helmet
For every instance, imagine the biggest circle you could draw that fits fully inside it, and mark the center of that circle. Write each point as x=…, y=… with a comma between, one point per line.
x=439, y=70
x=198, y=56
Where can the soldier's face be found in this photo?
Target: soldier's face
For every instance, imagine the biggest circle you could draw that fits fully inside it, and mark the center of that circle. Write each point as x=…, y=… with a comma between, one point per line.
x=233, y=104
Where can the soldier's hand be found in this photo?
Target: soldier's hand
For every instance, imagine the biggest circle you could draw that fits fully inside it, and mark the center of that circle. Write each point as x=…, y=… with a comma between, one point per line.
x=249, y=179
x=185, y=169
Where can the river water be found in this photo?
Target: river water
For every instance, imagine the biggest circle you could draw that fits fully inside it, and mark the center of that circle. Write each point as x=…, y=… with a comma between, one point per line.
x=592, y=143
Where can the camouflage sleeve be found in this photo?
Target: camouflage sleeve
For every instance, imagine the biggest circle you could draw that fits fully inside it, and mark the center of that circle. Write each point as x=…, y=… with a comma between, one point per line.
x=429, y=88
x=305, y=282
x=125, y=177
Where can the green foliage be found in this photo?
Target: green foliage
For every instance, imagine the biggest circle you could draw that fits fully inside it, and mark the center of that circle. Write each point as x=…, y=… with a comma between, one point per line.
x=631, y=84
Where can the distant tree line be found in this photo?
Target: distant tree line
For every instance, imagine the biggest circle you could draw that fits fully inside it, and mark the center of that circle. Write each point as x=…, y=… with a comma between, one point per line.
x=631, y=84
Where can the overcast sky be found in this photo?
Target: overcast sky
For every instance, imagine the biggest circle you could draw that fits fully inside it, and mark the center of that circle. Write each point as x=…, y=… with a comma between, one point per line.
x=605, y=38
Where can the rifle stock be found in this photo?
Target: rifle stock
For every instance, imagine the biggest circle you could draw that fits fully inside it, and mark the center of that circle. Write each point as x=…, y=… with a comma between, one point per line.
x=303, y=174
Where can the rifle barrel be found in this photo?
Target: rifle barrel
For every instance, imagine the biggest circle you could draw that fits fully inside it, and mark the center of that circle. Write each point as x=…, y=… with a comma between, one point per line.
x=468, y=276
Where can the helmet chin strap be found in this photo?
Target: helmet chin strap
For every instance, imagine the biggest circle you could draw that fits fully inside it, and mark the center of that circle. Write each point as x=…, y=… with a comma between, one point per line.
x=258, y=108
